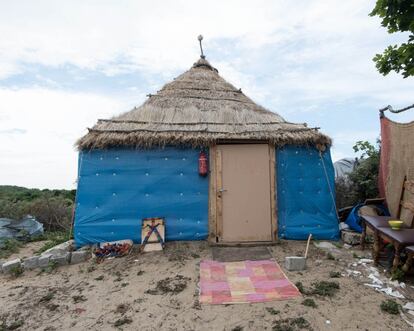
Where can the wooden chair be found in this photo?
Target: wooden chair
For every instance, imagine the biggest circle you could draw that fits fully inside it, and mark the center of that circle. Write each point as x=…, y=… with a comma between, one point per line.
x=400, y=239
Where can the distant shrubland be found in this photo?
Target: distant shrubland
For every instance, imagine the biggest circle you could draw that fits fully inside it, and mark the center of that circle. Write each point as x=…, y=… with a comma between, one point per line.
x=53, y=208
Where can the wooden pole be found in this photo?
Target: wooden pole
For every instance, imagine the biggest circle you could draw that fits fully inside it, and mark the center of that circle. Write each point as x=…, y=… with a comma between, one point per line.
x=307, y=245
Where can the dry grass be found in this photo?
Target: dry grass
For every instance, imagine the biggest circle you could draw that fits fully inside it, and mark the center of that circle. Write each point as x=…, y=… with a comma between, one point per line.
x=198, y=108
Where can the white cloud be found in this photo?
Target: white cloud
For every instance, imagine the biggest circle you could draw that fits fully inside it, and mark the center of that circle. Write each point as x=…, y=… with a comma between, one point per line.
x=294, y=57
x=39, y=129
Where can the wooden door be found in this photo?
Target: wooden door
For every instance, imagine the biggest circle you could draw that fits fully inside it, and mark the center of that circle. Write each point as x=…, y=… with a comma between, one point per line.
x=244, y=193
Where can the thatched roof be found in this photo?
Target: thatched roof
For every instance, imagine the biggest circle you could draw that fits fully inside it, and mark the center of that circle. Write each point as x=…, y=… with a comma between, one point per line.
x=198, y=108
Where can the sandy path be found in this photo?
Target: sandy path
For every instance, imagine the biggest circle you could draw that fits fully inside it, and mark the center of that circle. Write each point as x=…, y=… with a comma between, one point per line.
x=46, y=301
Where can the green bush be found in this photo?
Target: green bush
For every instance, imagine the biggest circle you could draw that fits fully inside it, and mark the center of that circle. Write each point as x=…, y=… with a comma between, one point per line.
x=53, y=208
x=362, y=183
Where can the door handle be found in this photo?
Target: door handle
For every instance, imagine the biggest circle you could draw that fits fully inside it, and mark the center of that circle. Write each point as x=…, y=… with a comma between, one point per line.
x=222, y=190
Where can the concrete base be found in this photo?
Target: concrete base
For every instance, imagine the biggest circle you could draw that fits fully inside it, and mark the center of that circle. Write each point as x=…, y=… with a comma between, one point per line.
x=31, y=263
x=61, y=259
x=44, y=260
x=295, y=263
x=9, y=265
x=79, y=256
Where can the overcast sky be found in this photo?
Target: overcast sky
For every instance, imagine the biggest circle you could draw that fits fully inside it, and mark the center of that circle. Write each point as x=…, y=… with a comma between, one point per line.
x=64, y=64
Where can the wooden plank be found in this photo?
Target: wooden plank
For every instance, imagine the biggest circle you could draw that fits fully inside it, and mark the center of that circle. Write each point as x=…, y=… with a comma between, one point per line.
x=273, y=198
x=219, y=199
x=212, y=226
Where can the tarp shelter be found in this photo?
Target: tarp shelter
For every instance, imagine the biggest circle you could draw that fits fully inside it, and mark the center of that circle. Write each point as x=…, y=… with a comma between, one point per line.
x=267, y=177
x=396, y=175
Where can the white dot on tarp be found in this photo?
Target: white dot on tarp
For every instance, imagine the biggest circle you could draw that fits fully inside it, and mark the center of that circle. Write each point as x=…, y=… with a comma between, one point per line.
x=181, y=174
x=181, y=194
x=166, y=159
x=180, y=233
x=113, y=194
x=97, y=174
x=183, y=158
x=146, y=194
x=117, y=158
x=101, y=158
x=113, y=220
x=146, y=174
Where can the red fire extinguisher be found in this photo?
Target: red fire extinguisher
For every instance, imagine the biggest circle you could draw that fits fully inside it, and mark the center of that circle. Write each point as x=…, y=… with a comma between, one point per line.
x=202, y=164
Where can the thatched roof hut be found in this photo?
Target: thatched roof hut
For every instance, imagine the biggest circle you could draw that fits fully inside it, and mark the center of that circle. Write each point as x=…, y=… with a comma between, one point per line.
x=209, y=160
x=198, y=108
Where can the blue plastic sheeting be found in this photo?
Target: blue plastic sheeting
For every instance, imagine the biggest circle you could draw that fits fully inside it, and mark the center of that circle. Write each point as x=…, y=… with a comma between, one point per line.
x=305, y=203
x=354, y=220
x=119, y=187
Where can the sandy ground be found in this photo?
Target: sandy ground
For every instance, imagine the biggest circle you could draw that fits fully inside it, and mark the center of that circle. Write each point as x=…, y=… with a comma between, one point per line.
x=113, y=295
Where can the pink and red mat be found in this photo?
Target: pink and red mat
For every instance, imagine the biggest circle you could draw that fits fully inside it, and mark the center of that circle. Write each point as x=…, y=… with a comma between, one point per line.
x=244, y=282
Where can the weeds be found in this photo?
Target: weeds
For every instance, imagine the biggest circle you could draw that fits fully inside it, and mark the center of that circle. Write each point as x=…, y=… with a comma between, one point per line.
x=292, y=324
x=53, y=239
x=47, y=297
x=300, y=287
x=325, y=288
x=308, y=302
x=101, y=277
x=397, y=274
x=122, y=321
x=79, y=298
x=9, y=247
x=335, y=274
x=390, y=306
x=16, y=271
x=13, y=326
x=272, y=310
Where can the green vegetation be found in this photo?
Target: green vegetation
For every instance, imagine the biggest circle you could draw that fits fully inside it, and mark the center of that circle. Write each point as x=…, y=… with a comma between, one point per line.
x=397, y=274
x=272, y=310
x=10, y=246
x=12, y=326
x=390, y=306
x=53, y=208
x=362, y=183
x=397, y=16
x=335, y=274
x=308, y=302
x=292, y=324
x=53, y=239
x=325, y=288
x=16, y=271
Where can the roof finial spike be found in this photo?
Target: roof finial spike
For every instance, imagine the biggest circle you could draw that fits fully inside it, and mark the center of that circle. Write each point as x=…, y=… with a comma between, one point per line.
x=200, y=38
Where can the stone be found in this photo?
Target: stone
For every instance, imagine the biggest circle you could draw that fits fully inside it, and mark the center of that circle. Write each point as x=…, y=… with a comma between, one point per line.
x=9, y=265
x=31, y=262
x=351, y=237
x=61, y=258
x=79, y=256
x=295, y=263
x=44, y=260
x=60, y=249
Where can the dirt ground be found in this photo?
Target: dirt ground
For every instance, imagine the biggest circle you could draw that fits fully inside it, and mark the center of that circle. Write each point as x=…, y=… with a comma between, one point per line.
x=159, y=291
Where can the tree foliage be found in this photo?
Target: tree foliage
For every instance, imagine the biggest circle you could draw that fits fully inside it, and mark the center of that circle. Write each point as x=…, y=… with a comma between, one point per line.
x=362, y=183
x=397, y=16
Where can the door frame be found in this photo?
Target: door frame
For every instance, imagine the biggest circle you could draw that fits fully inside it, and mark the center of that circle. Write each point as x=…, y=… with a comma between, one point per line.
x=215, y=202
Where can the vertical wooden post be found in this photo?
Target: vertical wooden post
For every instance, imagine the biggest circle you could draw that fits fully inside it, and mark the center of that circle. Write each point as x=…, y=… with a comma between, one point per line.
x=212, y=217
x=219, y=199
x=273, y=194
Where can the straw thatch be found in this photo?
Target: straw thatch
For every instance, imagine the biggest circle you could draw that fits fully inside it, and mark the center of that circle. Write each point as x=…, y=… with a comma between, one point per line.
x=199, y=108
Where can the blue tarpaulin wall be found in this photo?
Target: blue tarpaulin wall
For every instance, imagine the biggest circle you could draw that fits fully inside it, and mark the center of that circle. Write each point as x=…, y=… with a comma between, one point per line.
x=305, y=203
x=119, y=187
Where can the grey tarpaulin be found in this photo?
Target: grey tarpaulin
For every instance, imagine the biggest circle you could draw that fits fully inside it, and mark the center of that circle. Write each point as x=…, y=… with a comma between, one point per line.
x=27, y=227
